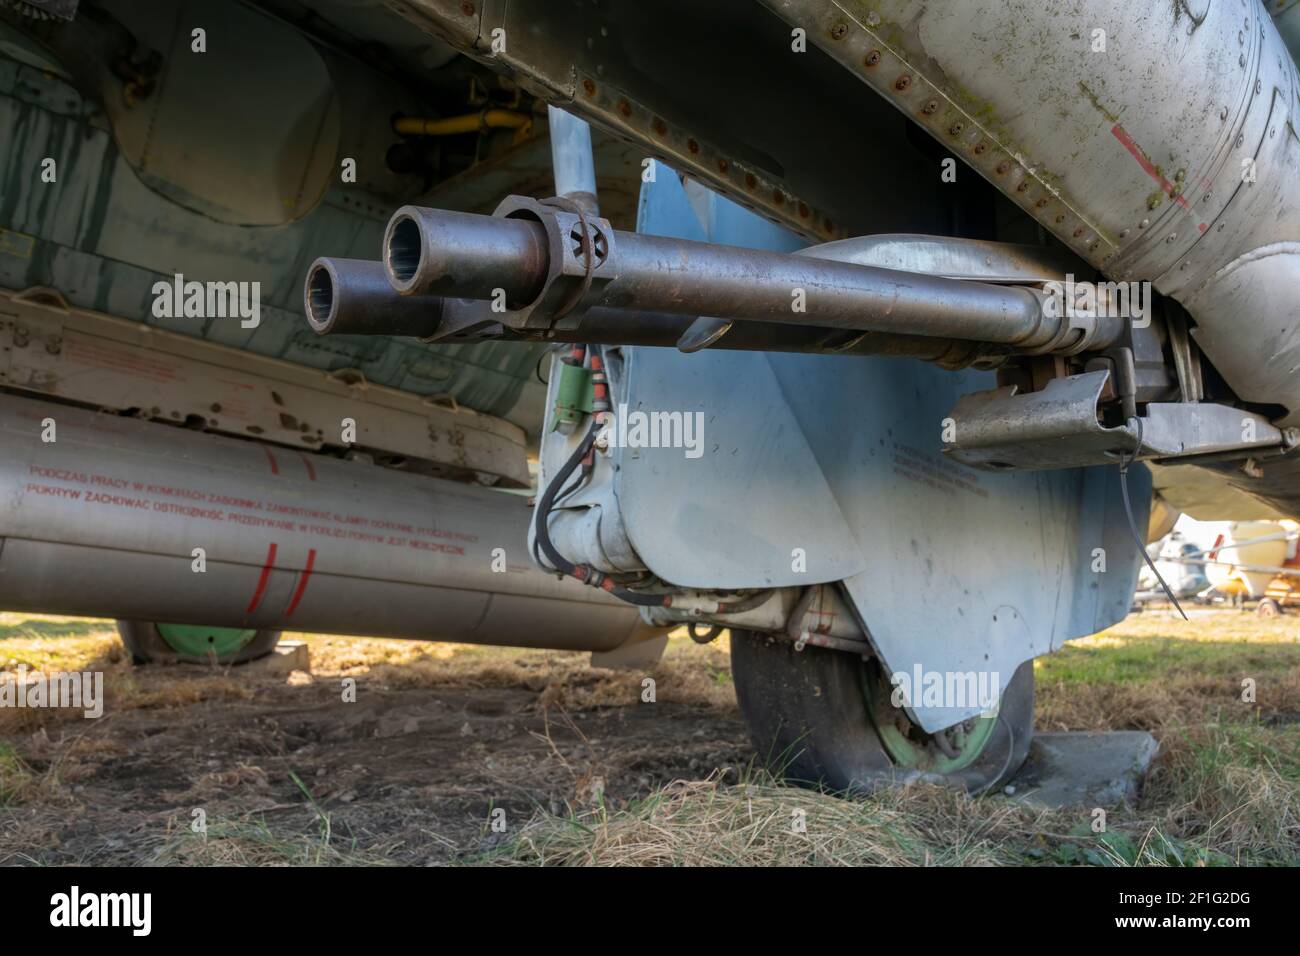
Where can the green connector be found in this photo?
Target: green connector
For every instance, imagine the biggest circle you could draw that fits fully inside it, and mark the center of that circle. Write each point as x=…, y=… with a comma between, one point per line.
x=573, y=395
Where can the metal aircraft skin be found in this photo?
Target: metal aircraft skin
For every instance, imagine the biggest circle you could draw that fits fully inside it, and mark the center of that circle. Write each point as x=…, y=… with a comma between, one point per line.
x=895, y=329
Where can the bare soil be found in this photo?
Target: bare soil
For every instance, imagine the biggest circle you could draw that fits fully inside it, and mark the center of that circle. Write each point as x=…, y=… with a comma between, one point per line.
x=409, y=773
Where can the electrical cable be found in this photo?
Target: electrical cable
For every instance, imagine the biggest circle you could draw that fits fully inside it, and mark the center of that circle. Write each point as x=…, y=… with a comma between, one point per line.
x=582, y=572
x=1132, y=525
x=1006, y=764
x=704, y=638
x=745, y=604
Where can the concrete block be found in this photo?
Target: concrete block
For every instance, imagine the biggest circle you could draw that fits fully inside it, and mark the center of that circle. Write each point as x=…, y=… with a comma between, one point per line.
x=287, y=657
x=1084, y=769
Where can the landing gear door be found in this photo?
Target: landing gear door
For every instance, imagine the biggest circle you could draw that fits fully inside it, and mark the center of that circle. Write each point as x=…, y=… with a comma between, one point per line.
x=816, y=468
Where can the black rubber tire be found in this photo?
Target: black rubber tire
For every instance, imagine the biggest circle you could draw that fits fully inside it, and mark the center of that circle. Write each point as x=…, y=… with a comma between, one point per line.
x=808, y=719
x=148, y=647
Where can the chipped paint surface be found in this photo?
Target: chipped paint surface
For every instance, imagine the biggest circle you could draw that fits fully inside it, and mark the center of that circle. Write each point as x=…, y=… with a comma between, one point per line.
x=894, y=47
x=1020, y=92
x=103, y=238
x=1096, y=102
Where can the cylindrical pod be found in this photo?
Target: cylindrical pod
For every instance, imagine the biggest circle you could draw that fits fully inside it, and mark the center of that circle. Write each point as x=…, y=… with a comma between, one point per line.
x=141, y=521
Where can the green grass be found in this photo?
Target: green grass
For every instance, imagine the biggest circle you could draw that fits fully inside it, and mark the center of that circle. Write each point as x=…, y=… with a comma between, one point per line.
x=1150, y=648
x=54, y=643
x=16, y=625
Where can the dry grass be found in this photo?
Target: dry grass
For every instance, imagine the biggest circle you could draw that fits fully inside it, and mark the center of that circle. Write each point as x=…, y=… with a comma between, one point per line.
x=687, y=673
x=45, y=642
x=1197, y=811
x=1226, y=787
x=762, y=823
x=1234, y=788
x=124, y=690
x=18, y=783
x=249, y=840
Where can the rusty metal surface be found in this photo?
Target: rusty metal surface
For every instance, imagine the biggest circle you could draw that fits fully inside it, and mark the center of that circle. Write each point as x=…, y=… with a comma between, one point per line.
x=750, y=125
x=50, y=350
x=535, y=255
x=353, y=297
x=1100, y=147
x=1058, y=427
x=1133, y=155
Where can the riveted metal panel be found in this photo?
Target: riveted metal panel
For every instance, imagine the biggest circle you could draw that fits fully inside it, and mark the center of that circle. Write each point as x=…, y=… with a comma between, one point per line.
x=1157, y=140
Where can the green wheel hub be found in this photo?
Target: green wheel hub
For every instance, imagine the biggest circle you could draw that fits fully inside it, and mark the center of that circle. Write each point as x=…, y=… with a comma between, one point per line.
x=908, y=745
x=198, y=641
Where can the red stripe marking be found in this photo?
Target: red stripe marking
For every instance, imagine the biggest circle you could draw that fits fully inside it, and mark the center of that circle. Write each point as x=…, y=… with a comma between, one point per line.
x=1122, y=135
x=275, y=468
x=261, y=581
x=311, y=471
x=302, y=583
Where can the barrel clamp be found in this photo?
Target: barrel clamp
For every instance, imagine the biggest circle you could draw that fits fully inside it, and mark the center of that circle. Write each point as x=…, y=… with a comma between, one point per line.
x=578, y=246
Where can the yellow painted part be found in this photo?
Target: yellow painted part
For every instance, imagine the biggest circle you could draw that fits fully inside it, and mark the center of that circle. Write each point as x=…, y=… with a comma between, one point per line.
x=1284, y=590
x=1230, y=586
x=468, y=123
x=1229, y=579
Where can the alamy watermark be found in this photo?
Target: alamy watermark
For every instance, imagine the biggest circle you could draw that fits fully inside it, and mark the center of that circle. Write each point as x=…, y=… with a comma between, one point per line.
x=1117, y=300
x=958, y=690
x=83, y=690
x=208, y=300
x=638, y=429
x=74, y=908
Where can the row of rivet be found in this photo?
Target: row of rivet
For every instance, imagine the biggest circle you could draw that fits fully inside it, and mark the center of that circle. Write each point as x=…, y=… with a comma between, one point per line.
x=749, y=188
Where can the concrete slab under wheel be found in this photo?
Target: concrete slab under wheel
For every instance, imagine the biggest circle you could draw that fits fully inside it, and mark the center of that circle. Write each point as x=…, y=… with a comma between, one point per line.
x=1084, y=769
x=287, y=657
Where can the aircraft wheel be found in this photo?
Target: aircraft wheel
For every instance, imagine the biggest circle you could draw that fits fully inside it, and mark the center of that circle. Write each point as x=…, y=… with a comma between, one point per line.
x=193, y=644
x=824, y=718
x=1269, y=608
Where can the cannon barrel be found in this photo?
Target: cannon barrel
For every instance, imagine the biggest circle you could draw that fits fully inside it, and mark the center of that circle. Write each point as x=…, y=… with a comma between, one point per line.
x=357, y=307
x=547, y=266
x=354, y=297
